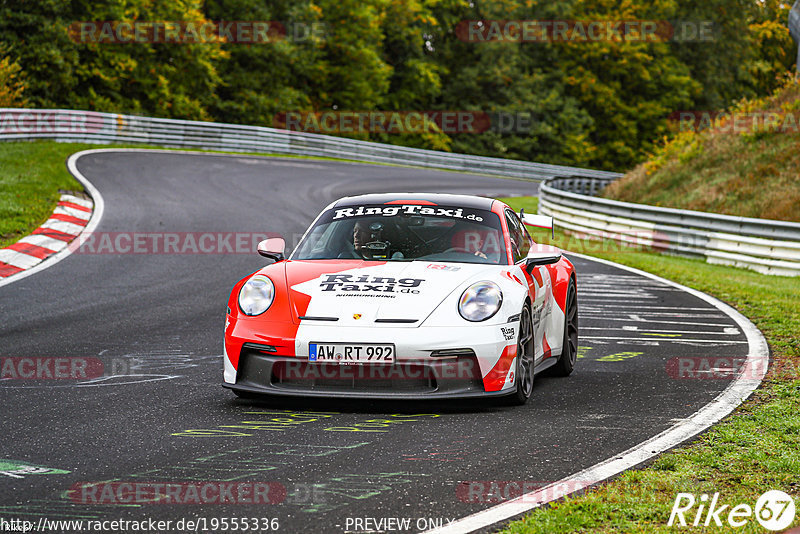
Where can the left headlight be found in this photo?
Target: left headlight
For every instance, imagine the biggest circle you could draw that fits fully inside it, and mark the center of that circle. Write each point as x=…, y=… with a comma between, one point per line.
x=480, y=301
x=256, y=295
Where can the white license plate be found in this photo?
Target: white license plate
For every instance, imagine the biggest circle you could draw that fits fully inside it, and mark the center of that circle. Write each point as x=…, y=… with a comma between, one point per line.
x=350, y=353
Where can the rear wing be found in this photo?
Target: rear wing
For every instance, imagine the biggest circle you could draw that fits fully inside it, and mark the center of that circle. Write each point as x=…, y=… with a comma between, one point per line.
x=538, y=221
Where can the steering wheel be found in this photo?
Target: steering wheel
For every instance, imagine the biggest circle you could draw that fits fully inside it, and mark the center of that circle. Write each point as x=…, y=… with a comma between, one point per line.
x=457, y=249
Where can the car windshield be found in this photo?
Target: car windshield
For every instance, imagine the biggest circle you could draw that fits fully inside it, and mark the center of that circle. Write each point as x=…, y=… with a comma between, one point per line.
x=405, y=232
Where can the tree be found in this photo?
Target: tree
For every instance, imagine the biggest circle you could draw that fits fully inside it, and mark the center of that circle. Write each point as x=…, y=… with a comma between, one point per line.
x=12, y=85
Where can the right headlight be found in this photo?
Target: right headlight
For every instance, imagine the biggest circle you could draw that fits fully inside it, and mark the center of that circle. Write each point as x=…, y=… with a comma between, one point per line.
x=480, y=301
x=256, y=295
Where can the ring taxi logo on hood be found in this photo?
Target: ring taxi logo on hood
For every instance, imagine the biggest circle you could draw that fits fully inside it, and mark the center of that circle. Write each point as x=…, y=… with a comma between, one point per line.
x=406, y=209
x=365, y=283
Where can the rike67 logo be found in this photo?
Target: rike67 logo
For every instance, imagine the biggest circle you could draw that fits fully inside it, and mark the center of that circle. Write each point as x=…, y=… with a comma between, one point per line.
x=774, y=510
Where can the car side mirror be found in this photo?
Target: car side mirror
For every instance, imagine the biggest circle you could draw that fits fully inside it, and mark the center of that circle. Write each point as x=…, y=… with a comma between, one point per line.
x=536, y=259
x=272, y=248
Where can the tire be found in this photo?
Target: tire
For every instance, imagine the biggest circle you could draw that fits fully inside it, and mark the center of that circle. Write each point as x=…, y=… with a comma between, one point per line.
x=525, y=355
x=569, y=354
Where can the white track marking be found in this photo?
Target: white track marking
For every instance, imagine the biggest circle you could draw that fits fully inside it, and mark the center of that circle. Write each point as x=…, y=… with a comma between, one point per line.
x=18, y=259
x=75, y=200
x=668, y=339
x=727, y=331
x=43, y=241
x=639, y=308
x=748, y=379
x=63, y=226
x=640, y=320
x=72, y=212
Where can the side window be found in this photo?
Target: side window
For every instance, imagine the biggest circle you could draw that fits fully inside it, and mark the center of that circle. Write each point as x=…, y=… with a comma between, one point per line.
x=520, y=241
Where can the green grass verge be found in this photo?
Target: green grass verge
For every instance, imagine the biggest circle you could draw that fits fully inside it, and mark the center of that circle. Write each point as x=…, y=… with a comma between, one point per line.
x=31, y=175
x=754, y=450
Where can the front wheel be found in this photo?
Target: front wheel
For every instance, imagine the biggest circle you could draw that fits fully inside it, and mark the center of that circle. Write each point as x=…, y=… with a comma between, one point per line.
x=524, y=368
x=569, y=354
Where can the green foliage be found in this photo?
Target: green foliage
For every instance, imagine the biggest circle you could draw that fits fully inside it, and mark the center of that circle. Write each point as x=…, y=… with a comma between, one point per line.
x=12, y=83
x=750, y=170
x=600, y=103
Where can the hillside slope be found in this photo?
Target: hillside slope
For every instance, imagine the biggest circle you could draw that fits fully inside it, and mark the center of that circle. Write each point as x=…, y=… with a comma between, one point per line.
x=746, y=164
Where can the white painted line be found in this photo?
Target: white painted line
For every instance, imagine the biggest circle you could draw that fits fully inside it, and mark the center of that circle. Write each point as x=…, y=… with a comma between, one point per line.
x=646, y=321
x=97, y=214
x=668, y=339
x=18, y=259
x=43, y=241
x=730, y=331
x=664, y=314
x=72, y=212
x=727, y=401
x=75, y=200
x=638, y=308
x=62, y=226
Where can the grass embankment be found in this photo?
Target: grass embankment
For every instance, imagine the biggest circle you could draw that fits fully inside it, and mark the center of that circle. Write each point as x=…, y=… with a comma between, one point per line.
x=754, y=450
x=747, y=164
x=31, y=175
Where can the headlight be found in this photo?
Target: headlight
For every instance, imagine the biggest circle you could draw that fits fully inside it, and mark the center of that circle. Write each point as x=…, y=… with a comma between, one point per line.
x=256, y=295
x=480, y=301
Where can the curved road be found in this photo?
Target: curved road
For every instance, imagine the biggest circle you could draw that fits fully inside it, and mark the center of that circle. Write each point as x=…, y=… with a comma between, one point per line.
x=149, y=327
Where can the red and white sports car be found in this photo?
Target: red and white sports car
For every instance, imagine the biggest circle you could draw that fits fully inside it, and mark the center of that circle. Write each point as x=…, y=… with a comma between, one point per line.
x=405, y=296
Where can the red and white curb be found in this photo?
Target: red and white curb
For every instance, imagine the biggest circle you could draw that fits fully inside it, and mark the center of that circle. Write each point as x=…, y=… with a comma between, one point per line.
x=74, y=218
x=70, y=217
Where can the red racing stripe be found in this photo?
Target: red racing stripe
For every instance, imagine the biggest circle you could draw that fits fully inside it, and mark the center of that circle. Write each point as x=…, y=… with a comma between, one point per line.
x=31, y=250
x=74, y=206
x=55, y=234
x=495, y=379
x=69, y=219
x=8, y=270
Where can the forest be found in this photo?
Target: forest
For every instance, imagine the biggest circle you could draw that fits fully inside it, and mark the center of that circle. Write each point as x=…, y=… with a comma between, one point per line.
x=601, y=99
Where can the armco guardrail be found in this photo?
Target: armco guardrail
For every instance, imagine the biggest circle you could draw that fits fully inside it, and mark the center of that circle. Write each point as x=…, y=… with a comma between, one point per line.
x=95, y=127
x=769, y=247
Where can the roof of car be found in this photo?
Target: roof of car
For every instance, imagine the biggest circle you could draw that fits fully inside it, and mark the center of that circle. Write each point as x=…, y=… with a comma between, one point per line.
x=465, y=201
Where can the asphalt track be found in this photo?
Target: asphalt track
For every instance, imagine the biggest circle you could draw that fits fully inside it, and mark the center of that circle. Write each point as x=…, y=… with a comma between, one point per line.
x=158, y=413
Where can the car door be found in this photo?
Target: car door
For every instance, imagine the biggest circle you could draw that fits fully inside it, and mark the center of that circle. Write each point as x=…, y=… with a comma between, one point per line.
x=538, y=281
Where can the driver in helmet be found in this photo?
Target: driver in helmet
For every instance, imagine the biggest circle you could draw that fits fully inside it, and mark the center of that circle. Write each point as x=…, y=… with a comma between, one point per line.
x=371, y=241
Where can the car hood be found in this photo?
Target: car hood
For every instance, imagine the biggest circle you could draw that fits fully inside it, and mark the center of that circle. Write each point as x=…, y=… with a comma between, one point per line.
x=369, y=293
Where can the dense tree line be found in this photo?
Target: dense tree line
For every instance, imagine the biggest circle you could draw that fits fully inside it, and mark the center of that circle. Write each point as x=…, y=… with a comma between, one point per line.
x=601, y=103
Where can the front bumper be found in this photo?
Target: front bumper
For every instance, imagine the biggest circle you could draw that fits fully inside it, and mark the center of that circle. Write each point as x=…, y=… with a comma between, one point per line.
x=480, y=364
x=452, y=377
